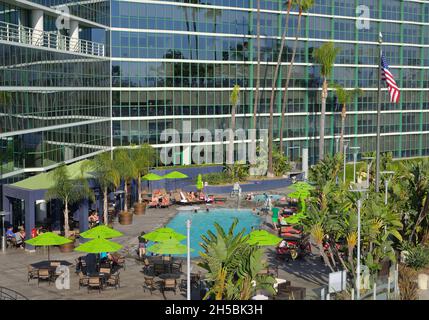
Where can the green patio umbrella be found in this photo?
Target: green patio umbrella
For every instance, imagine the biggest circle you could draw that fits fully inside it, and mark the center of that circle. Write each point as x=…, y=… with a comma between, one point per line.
x=47, y=239
x=175, y=175
x=170, y=246
x=101, y=232
x=296, y=218
x=164, y=234
x=263, y=238
x=152, y=177
x=99, y=245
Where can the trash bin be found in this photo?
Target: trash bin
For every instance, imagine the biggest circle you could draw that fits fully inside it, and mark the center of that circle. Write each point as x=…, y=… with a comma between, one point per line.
x=423, y=281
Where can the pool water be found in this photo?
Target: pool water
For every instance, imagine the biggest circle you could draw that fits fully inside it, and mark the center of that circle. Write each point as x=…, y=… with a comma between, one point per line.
x=261, y=197
x=203, y=221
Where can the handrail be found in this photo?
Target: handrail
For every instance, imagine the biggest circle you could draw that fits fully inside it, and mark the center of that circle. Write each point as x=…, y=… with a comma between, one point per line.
x=9, y=294
x=55, y=40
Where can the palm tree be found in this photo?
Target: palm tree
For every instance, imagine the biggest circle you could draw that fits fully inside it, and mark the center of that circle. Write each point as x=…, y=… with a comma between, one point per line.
x=303, y=6
x=143, y=157
x=273, y=92
x=258, y=66
x=124, y=165
x=67, y=190
x=325, y=56
x=344, y=98
x=232, y=265
x=234, y=100
x=102, y=167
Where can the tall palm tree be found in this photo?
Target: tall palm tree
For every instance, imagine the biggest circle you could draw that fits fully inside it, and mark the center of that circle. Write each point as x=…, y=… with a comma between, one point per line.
x=344, y=98
x=258, y=65
x=67, y=190
x=234, y=100
x=125, y=168
x=143, y=157
x=303, y=6
x=107, y=176
x=325, y=56
x=273, y=92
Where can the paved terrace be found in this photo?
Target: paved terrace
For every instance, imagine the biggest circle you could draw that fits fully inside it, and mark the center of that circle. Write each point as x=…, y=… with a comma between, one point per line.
x=308, y=273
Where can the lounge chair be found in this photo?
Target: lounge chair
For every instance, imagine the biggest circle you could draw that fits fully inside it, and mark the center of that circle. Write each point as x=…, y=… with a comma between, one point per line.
x=165, y=203
x=176, y=197
x=183, y=199
x=154, y=203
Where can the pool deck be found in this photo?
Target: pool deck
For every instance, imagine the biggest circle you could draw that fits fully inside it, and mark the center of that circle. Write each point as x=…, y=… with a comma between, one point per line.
x=309, y=273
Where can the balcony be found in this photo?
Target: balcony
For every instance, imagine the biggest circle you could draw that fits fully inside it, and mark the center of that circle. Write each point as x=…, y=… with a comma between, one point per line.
x=54, y=40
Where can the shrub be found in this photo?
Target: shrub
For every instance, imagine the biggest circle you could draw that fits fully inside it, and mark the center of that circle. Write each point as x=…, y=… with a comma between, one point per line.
x=417, y=257
x=217, y=178
x=407, y=284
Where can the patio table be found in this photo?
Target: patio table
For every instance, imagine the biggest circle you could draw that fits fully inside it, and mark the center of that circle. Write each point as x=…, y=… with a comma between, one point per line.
x=169, y=276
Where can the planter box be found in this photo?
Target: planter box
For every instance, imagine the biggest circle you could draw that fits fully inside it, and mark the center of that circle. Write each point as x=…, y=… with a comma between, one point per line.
x=125, y=218
x=139, y=208
x=68, y=247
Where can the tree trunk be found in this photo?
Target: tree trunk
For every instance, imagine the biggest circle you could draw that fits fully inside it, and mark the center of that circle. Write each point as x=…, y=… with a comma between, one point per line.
x=322, y=120
x=289, y=75
x=232, y=137
x=422, y=216
x=325, y=258
x=343, y=126
x=188, y=29
x=139, y=189
x=105, y=208
x=66, y=218
x=273, y=94
x=258, y=66
x=126, y=196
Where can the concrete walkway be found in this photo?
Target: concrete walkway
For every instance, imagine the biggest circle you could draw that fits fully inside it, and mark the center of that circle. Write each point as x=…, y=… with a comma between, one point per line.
x=308, y=273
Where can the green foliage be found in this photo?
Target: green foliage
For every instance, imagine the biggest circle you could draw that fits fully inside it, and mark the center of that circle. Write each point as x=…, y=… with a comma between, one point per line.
x=238, y=171
x=326, y=170
x=417, y=257
x=217, y=178
x=232, y=265
x=281, y=165
x=234, y=98
x=345, y=96
x=325, y=56
x=199, y=183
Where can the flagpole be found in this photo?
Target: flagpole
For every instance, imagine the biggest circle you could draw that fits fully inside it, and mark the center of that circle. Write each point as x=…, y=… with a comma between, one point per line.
x=377, y=178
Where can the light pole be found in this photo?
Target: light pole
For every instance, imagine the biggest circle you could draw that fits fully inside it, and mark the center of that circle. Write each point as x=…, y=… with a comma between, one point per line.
x=386, y=183
x=188, y=271
x=368, y=168
x=346, y=144
x=359, y=207
x=3, y=231
x=355, y=155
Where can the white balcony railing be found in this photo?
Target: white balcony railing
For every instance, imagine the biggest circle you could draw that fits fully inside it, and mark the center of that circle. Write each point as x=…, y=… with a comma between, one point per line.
x=15, y=33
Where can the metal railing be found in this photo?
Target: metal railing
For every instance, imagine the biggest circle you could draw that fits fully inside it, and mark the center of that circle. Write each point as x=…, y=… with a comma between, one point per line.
x=9, y=294
x=54, y=40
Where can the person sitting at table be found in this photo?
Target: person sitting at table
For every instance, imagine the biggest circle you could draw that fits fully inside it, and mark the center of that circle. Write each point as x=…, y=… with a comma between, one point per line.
x=93, y=219
x=20, y=237
x=103, y=257
x=9, y=233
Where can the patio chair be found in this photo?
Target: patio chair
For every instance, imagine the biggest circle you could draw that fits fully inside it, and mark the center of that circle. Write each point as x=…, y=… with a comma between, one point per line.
x=149, y=284
x=147, y=267
x=105, y=270
x=83, y=280
x=169, y=284
x=33, y=273
x=44, y=274
x=114, y=281
x=176, y=267
x=95, y=283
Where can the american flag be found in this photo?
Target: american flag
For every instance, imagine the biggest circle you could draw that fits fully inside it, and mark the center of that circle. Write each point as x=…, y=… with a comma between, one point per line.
x=387, y=76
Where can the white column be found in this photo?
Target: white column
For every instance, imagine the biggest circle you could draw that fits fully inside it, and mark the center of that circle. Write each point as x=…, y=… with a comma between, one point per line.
x=305, y=162
x=74, y=36
x=37, y=26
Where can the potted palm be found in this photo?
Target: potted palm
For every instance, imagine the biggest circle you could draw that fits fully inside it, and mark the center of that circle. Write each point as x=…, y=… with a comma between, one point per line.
x=143, y=157
x=68, y=191
x=106, y=175
x=124, y=166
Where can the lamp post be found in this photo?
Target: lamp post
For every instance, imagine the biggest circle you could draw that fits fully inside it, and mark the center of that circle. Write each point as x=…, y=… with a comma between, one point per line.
x=355, y=155
x=346, y=144
x=188, y=271
x=386, y=183
x=359, y=207
x=368, y=168
x=3, y=231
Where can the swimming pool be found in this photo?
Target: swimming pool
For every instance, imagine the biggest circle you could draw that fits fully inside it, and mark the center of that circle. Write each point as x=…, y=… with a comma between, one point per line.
x=261, y=197
x=203, y=221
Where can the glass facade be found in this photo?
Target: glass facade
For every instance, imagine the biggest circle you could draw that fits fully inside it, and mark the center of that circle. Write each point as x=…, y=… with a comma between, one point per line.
x=54, y=100
x=175, y=60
